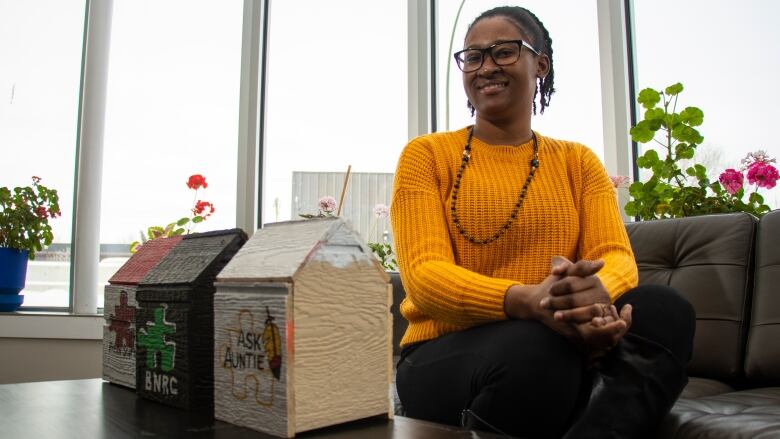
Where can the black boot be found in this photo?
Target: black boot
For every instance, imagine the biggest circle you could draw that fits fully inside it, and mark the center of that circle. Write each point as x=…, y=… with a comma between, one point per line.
x=633, y=389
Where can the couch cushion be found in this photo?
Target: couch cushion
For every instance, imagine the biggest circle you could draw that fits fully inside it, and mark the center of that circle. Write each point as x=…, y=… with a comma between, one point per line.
x=762, y=363
x=709, y=260
x=698, y=387
x=753, y=414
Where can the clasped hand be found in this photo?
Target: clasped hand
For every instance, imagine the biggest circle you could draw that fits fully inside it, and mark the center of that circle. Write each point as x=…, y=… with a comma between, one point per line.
x=577, y=297
x=573, y=301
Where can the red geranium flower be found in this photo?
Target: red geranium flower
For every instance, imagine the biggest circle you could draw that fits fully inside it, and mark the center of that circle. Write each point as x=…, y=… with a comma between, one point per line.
x=201, y=207
x=197, y=181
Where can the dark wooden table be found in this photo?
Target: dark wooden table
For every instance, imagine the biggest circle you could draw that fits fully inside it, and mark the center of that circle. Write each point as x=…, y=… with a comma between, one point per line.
x=95, y=409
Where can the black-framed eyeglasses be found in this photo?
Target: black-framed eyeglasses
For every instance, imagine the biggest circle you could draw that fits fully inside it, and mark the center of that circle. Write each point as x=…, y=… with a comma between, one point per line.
x=503, y=54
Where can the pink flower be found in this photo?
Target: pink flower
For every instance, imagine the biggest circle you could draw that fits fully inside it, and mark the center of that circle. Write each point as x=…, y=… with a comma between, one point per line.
x=731, y=179
x=327, y=204
x=381, y=210
x=762, y=174
x=752, y=158
x=619, y=181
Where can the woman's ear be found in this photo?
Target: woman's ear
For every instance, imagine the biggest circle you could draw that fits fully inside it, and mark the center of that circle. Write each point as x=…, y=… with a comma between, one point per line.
x=542, y=66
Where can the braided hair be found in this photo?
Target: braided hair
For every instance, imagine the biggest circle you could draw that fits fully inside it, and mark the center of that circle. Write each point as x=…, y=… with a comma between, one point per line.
x=529, y=24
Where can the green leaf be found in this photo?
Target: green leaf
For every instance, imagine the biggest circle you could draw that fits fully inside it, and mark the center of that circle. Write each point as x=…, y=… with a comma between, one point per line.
x=631, y=209
x=654, y=114
x=182, y=221
x=648, y=160
x=674, y=89
x=154, y=232
x=684, y=133
x=197, y=219
x=683, y=151
x=692, y=116
x=643, y=132
x=672, y=120
x=648, y=98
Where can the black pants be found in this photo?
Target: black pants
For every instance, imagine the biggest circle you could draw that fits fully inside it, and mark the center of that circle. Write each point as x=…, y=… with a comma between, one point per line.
x=520, y=376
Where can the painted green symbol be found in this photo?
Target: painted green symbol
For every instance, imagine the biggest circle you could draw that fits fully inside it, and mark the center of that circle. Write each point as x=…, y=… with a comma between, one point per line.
x=153, y=339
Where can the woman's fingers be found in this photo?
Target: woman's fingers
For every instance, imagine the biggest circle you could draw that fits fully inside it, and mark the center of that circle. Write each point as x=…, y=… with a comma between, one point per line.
x=583, y=314
x=560, y=265
x=603, y=333
x=573, y=293
x=625, y=314
x=583, y=268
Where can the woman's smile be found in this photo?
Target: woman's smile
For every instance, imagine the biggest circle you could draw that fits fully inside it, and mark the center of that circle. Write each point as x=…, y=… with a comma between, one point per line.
x=492, y=87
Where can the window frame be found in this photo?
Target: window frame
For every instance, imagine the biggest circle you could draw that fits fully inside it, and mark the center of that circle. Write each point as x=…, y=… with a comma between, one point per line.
x=615, y=48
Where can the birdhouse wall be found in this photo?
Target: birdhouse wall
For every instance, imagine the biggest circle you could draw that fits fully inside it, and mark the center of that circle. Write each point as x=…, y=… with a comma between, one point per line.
x=172, y=339
x=119, y=335
x=252, y=361
x=343, y=357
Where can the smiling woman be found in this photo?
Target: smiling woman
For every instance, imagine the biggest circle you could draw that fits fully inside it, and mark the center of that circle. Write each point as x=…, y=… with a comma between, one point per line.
x=517, y=269
x=574, y=26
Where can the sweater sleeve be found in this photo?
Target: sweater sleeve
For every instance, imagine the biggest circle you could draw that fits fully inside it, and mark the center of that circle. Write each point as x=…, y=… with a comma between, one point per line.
x=602, y=233
x=433, y=282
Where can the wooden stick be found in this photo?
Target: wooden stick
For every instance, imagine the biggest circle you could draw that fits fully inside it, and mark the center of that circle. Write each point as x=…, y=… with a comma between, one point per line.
x=344, y=190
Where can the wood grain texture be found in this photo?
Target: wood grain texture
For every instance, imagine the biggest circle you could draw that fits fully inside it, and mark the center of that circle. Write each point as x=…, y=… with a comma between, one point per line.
x=112, y=301
x=252, y=366
x=276, y=251
x=341, y=339
x=342, y=233
x=119, y=312
x=163, y=373
x=175, y=349
x=340, y=367
x=118, y=361
x=197, y=258
x=147, y=256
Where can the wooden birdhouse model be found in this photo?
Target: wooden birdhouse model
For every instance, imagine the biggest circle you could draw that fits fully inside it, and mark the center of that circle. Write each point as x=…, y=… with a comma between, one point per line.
x=120, y=307
x=302, y=330
x=175, y=321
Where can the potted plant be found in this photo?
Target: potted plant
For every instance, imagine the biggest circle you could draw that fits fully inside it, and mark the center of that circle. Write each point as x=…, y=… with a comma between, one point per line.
x=679, y=187
x=24, y=230
x=200, y=211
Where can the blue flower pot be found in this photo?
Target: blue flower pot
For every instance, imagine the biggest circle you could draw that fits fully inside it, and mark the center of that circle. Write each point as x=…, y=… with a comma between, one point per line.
x=13, y=271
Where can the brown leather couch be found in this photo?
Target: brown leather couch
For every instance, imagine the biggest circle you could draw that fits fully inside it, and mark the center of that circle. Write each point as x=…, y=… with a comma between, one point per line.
x=728, y=267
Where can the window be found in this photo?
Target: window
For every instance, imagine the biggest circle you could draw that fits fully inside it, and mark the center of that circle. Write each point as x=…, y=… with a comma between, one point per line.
x=40, y=45
x=728, y=65
x=575, y=108
x=171, y=111
x=336, y=96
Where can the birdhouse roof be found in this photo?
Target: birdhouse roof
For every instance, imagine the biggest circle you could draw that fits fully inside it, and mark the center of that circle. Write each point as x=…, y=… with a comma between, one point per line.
x=278, y=250
x=197, y=258
x=147, y=256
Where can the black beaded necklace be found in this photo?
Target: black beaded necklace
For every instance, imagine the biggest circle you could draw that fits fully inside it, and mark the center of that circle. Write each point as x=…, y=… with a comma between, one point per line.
x=534, y=163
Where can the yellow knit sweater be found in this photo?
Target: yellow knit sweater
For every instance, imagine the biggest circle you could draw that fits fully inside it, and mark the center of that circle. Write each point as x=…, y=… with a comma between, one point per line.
x=452, y=284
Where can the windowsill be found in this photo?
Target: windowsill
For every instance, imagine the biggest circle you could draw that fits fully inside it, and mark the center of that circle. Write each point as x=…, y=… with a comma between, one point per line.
x=53, y=325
